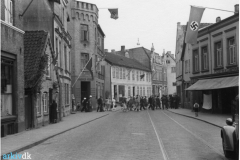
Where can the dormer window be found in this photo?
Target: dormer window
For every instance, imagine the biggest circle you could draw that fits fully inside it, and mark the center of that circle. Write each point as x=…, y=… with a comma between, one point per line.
x=127, y=54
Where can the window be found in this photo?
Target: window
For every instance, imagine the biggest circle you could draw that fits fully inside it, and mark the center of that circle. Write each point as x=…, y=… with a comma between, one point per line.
x=65, y=56
x=133, y=75
x=38, y=104
x=8, y=9
x=44, y=102
x=143, y=91
x=129, y=71
x=117, y=73
x=218, y=54
x=67, y=94
x=91, y=7
x=120, y=73
x=231, y=51
x=99, y=41
x=186, y=66
x=6, y=86
x=114, y=72
x=48, y=69
x=195, y=60
x=137, y=90
x=123, y=73
x=173, y=69
x=60, y=53
x=82, y=5
x=129, y=91
x=84, y=32
x=84, y=59
x=204, y=58
x=137, y=76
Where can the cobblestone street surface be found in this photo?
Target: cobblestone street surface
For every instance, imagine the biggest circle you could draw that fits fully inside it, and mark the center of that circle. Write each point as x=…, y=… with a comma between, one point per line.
x=135, y=135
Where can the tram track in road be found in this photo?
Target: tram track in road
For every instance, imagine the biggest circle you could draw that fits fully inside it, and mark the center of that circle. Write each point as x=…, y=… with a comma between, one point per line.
x=161, y=139
x=196, y=136
x=164, y=153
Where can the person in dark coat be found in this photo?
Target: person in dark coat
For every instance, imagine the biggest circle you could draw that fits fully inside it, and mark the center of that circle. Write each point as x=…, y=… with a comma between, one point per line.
x=177, y=99
x=54, y=111
x=150, y=102
x=163, y=99
x=100, y=104
x=158, y=102
x=89, y=104
x=153, y=102
x=84, y=103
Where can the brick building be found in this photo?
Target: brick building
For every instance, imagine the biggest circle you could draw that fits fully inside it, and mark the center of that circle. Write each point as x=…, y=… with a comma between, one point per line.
x=53, y=17
x=87, y=43
x=214, y=64
x=12, y=68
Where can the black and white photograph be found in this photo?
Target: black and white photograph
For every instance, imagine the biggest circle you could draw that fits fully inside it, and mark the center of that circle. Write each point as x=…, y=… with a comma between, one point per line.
x=120, y=79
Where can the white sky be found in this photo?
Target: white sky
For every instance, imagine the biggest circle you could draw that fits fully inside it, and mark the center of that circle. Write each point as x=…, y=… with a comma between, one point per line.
x=152, y=21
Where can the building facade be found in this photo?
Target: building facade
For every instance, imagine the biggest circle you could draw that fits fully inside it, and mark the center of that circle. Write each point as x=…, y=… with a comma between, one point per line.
x=128, y=77
x=170, y=66
x=214, y=63
x=152, y=60
x=87, y=46
x=52, y=17
x=12, y=68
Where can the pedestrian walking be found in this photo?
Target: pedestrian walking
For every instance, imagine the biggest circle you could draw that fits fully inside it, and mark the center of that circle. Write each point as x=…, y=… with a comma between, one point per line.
x=113, y=104
x=89, y=104
x=158, y=103
x=138, y=103
x=108, y=104
x=196, y=108
x=84, y=103
x=150, y=102
x=100, y=103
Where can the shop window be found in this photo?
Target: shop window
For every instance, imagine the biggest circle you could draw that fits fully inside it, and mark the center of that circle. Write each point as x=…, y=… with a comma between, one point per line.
x=6, y=87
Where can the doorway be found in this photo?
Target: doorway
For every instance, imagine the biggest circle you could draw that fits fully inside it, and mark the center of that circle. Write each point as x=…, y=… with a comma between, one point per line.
x=28, y=111
x=85, y=90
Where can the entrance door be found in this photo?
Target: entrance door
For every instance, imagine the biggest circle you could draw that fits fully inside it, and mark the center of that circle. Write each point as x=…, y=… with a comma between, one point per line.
x=85, y=90
x=28, y=111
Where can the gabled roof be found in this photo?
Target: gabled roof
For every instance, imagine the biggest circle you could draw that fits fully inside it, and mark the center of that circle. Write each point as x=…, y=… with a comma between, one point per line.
x=35, y=43
x=118, y=60
x=170, y=55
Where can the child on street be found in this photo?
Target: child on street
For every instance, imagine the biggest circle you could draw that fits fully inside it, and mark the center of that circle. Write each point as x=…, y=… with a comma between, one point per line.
x=196, y=108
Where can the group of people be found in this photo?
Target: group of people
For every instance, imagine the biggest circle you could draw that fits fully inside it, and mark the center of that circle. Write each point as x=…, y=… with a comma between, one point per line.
x=135, y=103
x=138, y=103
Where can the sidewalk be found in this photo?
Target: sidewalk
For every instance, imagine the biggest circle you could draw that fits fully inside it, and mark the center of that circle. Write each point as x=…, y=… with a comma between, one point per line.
x=217, y=120
x=27, y=139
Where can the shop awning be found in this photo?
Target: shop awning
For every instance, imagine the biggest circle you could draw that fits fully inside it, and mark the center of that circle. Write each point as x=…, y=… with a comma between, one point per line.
x=216, y=83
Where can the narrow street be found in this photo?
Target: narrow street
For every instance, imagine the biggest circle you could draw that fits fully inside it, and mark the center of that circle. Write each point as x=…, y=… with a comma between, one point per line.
x=135, y=135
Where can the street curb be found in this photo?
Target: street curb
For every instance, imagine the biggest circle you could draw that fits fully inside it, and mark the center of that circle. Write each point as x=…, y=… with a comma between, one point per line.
x=196, y=118
x=42, y=140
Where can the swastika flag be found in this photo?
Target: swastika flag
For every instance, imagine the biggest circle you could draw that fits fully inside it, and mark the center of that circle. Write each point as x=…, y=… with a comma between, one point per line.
x=114, y=13
x=193, y=24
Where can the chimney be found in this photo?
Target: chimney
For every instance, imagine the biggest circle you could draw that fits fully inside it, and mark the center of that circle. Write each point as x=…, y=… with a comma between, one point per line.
x=122, y=48
x=105, y=50
x=236, y=9
x=113, y=50
x=218, y=19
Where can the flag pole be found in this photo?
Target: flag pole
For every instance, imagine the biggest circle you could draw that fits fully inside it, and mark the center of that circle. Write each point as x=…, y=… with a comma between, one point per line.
x=214, y=9
x=81, y=71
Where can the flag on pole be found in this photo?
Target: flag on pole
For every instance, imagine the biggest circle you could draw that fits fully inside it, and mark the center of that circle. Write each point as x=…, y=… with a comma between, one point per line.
x=193, y=24
x=114, y=13
x=142, y=76
x=89, y=66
